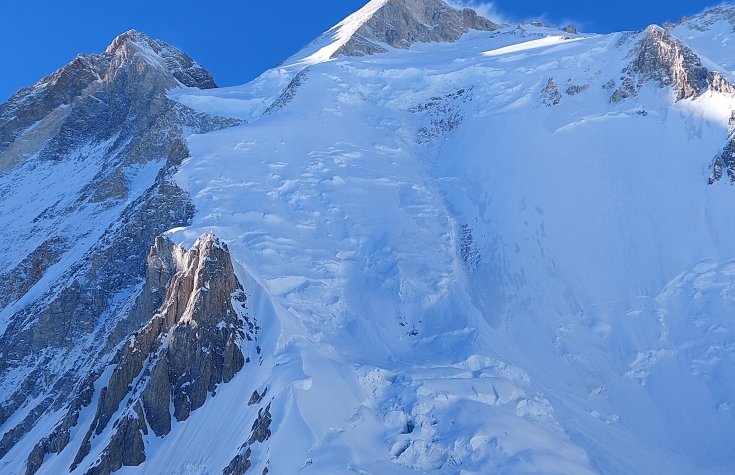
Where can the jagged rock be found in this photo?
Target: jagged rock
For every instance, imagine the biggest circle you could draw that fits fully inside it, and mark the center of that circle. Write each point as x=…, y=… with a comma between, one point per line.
x=468, y=250
x=31, y=105
x=59, y=438
x=191, y=344
x=109, y=111
x=574, y=89
x=441, y=114
x=724, y=162
x=187, y=71
x=259, y=433
x=256, y=397
x=571, y=29
x=287, y=96
x=661, y=58
x=718, y=83
x=239, y=464
x=551, y=95
x=401, y=23
x=126, y=447
x=262, y=426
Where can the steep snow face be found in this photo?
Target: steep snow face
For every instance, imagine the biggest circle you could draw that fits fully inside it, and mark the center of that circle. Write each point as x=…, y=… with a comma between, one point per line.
x=481, y=259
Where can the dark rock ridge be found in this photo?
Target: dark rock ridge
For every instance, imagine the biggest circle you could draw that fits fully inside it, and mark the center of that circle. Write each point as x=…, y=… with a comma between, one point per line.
x=259, y=433
x=190, y=345
x=108, y=114
x=288, y=95
x=661, y=58
x=725, y=161
x=401, y=23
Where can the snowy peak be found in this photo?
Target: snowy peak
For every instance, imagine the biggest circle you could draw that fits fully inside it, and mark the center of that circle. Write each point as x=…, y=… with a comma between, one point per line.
x=133, y=45
x=710, y=17
x=399, y=24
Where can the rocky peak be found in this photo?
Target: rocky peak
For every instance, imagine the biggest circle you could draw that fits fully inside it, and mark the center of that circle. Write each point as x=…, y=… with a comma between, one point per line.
x=133, y=74
x=401, y=23
x=128, y=38
x=136, y=46
x=660, y=57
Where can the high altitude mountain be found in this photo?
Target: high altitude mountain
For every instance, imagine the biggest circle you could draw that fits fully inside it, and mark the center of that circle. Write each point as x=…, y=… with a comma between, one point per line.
x=425, y=242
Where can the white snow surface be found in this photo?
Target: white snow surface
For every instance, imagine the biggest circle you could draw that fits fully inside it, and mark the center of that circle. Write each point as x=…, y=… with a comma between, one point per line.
x=592, y=335
x=591, y=328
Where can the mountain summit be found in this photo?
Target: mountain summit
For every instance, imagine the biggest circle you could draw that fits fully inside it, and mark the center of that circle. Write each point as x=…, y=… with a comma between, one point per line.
x=133, y=44
x=399, y=24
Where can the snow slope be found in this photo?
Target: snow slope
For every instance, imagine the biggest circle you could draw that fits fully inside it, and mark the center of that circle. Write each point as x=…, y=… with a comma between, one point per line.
x=466, y=279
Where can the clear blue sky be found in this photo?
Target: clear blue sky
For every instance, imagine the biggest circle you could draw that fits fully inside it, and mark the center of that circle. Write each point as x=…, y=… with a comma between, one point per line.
x=238, y=39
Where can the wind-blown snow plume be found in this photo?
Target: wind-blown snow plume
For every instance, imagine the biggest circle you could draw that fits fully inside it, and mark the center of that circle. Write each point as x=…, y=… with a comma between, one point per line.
x=486, y=9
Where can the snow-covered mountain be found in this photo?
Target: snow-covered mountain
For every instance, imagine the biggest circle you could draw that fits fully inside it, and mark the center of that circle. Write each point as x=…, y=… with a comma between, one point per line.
x=424, y=243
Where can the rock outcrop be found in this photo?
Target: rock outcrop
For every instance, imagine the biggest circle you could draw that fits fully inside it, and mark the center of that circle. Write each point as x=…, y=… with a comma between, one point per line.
x=441, y=114
x=191, y=344
x=661, y=58
x=724, y=162
x=98, y=142
x=259, y=433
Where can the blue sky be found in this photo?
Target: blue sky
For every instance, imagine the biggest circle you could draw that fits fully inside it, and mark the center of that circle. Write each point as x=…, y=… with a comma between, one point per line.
x=238, y=39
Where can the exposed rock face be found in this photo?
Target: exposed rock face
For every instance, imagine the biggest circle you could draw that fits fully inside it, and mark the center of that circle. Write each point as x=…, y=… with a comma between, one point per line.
x=550, y=96
x=16, y=282
x=98, y=141
x=190, y=346
x=725, y=161
x=441, y=114
x=259, y=433
x=661, y=58
x=60, y=436
x=287, y=96
x=401, y=23
x=187, y=71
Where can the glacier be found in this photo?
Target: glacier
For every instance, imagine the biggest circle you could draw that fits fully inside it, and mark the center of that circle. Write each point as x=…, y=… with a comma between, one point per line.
x=508, y=252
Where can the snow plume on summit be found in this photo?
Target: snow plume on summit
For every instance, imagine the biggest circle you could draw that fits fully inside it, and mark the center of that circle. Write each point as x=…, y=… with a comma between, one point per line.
x=383, y=24
x=485, y=9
